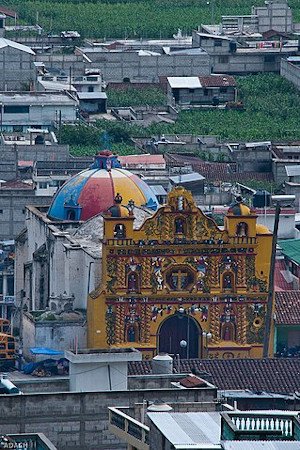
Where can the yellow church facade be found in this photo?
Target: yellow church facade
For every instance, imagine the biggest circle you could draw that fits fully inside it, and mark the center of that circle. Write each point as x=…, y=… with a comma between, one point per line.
x=180, y=284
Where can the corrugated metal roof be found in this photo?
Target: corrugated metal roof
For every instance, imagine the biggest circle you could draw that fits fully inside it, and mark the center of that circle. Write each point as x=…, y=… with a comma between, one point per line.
x=91, y=95
x=184, y=82
x=29, y=98
x=8, y=43
x=158, y=190
x=56, y=86
x=292, y=171
x=213, y=36
x=291, y=249
x=261, y=445
x=187, y=178
x=188, y=428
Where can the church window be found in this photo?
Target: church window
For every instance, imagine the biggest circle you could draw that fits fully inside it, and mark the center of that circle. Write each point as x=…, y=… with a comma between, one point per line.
x=228, y=331
x=242, y=229
x=131, y=334
x=119, y=231
x=179, y=225
x=133, y=282
x=228, y=281
x=71, y=215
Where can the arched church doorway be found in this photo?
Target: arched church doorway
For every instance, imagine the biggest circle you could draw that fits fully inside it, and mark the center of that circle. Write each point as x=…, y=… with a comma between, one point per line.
x=176, y=329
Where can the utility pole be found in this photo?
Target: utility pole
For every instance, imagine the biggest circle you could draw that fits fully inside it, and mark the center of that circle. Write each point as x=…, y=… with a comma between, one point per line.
x=20, y=352
x=269, y=313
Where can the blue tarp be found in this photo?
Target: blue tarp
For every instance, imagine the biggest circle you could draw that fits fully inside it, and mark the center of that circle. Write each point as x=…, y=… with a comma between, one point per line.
x=45, y=351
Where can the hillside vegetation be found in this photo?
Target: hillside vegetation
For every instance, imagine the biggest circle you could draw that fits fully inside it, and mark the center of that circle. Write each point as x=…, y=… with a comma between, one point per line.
x=271, y=112
x=129, y=18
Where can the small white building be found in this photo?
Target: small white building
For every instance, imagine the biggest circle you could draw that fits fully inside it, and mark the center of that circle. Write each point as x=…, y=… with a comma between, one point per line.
x=88, y=88
x=100, y=370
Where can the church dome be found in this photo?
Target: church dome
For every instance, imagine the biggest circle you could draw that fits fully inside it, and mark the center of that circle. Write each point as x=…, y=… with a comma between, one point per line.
x=93, y=190
x=262, y=229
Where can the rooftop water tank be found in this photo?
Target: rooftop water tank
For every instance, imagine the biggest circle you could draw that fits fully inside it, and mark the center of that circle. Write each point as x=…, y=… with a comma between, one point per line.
x=159, y=406
x=162, y=364
x=261, y=199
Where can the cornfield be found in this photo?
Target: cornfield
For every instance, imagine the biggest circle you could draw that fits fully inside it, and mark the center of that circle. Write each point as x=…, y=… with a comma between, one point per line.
x=130, y=18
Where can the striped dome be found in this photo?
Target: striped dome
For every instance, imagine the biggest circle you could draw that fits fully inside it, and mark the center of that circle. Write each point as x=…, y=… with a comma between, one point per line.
x=93, y=190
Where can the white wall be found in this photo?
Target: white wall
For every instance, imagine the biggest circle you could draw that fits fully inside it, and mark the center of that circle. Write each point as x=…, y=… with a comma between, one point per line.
x=286, y=228
x=85, y=377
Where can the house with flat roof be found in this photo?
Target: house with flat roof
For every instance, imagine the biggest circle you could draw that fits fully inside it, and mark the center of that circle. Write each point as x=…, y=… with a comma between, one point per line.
x=230, y=430
x=206, y=90
x=22, y=110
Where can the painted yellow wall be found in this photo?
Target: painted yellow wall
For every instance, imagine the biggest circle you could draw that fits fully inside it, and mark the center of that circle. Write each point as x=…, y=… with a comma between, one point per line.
x=118, y=255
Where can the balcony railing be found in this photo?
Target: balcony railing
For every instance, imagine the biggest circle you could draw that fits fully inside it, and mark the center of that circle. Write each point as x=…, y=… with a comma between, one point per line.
x=282, y=425
x=242, y=240
x=131, y=431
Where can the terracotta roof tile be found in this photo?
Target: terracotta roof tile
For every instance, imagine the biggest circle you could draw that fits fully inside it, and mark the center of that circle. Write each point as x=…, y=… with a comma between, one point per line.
x=287, y=308
x=216, y=171
x=280, y=375
x=217, y=81
x=281, y=282
x=192, y=381
x=16, y=184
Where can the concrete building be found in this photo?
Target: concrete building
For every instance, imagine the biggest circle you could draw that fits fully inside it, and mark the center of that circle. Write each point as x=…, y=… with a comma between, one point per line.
x=49, y=176
x=274, y=15
x=7, y=297
x=230, y=57
x=15, y=195
x=210, y=90
x=59, y=330
x=21, y=150
x=146, y=65
x=89, y=88
x=105, y=370
x=20, y=111
x=284, y=156
x=274, y=18
x=290, y=69
x=251, y=156
x=16, y=66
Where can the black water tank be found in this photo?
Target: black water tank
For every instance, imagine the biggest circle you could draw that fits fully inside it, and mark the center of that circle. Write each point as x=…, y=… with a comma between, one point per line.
x=261, y=199
x=39, y=140
x=232, y=46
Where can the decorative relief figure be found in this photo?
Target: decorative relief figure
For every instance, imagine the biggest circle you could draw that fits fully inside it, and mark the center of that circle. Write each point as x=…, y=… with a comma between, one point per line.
x=110, y=326
x=133, y=269
x=228, y=324
x=111, y=272
x=256, y=320
x=133, y=282
x=204, y=313
x=132, y=323
x=157, y=276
